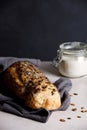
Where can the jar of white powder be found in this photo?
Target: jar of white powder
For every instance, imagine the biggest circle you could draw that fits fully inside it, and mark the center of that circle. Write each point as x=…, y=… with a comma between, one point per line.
x=71, y=59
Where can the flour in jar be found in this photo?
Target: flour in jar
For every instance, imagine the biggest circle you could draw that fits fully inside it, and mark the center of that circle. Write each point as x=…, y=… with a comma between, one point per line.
x=73, y=67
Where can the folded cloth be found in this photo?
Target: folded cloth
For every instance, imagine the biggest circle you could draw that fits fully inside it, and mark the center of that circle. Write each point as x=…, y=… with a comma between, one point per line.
x=11, y=104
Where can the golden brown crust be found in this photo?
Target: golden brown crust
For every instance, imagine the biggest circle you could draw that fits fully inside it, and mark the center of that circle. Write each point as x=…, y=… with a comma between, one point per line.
x=30, y=84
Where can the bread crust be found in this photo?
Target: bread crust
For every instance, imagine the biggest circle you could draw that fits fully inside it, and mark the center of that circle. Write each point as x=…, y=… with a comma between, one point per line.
x=29, y=83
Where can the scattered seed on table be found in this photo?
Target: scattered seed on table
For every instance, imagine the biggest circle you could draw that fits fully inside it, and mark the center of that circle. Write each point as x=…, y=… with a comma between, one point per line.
x=70, y=94
x=83, y=111
x=72, y=104
x=74, y=109
x=62, y=120
x=82, y=108
x=69, y=118
x=75, y=93
x=78, y=116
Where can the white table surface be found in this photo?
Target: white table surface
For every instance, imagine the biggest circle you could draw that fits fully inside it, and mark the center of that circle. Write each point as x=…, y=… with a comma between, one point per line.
x=79, y=85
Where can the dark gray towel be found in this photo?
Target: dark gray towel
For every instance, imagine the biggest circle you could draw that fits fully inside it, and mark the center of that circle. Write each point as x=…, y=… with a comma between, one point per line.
x=10, y=103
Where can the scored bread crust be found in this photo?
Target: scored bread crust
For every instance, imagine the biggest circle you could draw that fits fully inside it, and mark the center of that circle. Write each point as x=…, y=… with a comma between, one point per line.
x=29, y=83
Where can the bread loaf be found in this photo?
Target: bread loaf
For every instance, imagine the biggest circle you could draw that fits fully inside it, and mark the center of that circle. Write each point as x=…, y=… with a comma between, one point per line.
x=27, y=82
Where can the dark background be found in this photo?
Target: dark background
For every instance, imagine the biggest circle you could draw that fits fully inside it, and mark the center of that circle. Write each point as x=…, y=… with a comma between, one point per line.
x=36, y=28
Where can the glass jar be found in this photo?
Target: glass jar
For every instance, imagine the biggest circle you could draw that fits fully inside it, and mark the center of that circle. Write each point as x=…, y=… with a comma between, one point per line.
x=71, y=59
